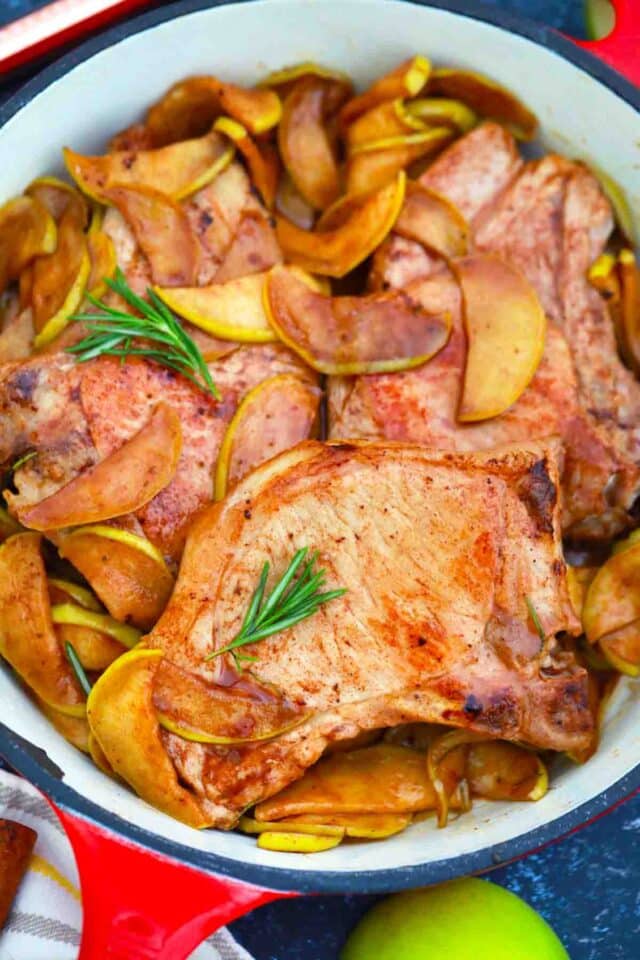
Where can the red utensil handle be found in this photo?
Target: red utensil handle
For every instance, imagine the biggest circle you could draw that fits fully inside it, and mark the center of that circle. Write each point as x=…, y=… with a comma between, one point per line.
x=621, y=49
x=58, y=22
x=139, y=905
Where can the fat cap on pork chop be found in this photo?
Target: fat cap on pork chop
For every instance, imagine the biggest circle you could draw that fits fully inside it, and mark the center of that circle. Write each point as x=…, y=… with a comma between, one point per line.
x=438, y=553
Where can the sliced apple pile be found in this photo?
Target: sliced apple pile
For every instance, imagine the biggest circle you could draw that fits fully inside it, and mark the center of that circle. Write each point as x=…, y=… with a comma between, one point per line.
x=27, y=636
x=73, y=612
x=207, y=713
x=262, y=161
x=406, y=80
x=276, y=415
x=177, y=170
x=506, y=328
x=123, y=721
x=133, y=581
x=306, y=146
x=432, y=220
x=121, y=483
x=611, y=612
x=485, y=97
x=59, y=280
x=27, y=230
x=381, y=332
x=335, y=252
x=162, y=229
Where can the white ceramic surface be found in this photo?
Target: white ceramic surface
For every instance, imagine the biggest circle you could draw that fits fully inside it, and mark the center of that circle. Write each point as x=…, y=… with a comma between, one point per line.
x=579, y=116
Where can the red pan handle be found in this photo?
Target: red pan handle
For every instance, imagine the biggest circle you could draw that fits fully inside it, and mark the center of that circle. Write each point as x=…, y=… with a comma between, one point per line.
x=139, y=905
x=621, y=49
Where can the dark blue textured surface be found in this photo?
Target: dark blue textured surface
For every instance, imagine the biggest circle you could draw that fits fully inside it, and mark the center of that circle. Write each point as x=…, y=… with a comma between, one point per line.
x=587, y=886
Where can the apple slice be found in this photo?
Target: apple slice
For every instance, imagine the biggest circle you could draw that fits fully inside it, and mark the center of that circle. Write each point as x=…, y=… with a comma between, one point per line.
x=381, y=332
x=627, y=312
x=430, y=219
x=262, y=161
x=485, y=97
x=60, y=279
x=57, y=195
x=285, y=79
x=341, y=784
x=162, y=229
x=233, y=310
x=506, y=329
x=336, y=252
x=27, y=230
x=121, y=483
x=442, y=111
x=276, y=415
x=292, y=205
x=371, y=165
x=123, y=720
x=387, y=119
x=283, y=842
x=365, y=826
x=27, y=637
x=291, y=825
x=406, y=80
x=102, y=255
x=497, y=770
x=207, y=713
x=178, y=170
x=305, y=145
x=74, y=615
x=75, y=730
x=613, y=598
x=133, y=582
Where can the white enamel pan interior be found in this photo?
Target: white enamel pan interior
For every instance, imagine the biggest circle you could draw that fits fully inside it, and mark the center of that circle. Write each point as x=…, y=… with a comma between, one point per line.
x=580, y=115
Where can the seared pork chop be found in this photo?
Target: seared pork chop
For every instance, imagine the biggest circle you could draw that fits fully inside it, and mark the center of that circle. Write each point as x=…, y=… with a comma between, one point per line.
x=439, y=553
x=74, y=415
x=421, y=405
x=551, y=219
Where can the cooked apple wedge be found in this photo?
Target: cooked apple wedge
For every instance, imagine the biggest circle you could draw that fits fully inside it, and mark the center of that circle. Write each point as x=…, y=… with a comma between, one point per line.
x=506, y=328
x=341, y=784
x=485, y=97
x=95, y=649
x=274, y=416
x=233, y=310
x=57, y=195
x=336, y=252
x=27, y=230
x=27, y=637
x=207, y=713
x=432, y=220
x=284, y=80
x=283, y=842
x=262, y=161
x=162, y=229
x=627, y=312
x=133, y=581
x=381, y=332
x=292, y=205
x=622, y=649
x=71, y=614
x=613, y=598
x=123, y=720
x=407, y=80
x=75, y=730
x=388, y=119
x=8, y=525
x=60, y=279
x=190, y=106
x=497, y=770
x=122, y=483
x=177, y=170
x=442, y=111
x=371, y=165
x=305, y=144
x=364, y=826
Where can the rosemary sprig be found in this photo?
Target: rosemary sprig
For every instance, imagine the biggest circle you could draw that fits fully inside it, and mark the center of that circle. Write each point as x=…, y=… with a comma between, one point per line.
x=533, y=613
x=295, y=597
x=155, y=334
x=78, y=669
x=22, y=460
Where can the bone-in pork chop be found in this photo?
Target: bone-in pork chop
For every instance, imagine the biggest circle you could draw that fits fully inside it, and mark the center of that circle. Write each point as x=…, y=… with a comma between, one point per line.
x=438, y=552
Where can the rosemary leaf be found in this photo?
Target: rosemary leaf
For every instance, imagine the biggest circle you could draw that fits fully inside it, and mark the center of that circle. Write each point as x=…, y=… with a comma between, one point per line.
x=298, y=594
x=533, y=613
x=156, y=333
x=77, y=667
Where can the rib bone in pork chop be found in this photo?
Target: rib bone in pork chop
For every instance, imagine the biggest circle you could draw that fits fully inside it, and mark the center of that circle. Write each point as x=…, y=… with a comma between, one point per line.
x=439, y=553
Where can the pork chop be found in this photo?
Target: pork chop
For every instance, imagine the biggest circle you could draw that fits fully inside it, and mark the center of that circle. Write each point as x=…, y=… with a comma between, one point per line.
x=74, y=415
x=439, y=553
x=551, y=219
